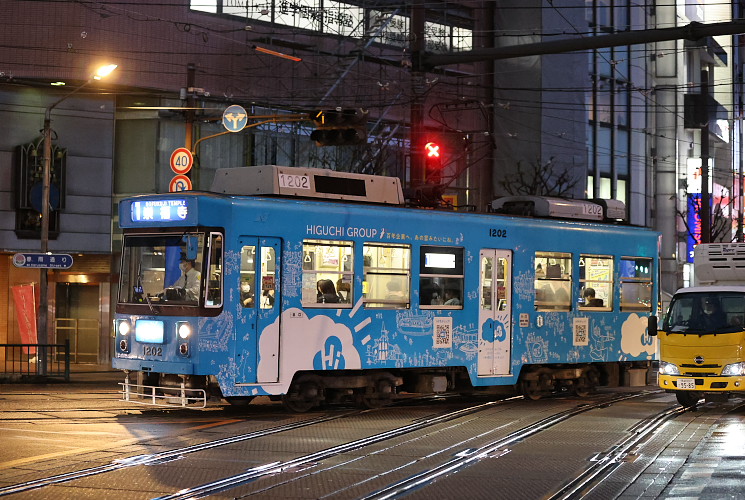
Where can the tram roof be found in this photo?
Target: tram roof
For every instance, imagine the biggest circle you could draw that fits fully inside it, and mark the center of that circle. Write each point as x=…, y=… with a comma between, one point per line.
x=308, y=183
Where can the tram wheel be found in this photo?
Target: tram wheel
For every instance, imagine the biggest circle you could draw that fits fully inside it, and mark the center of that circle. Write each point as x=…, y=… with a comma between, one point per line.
x=582, y=387
x=531, y=390
x=687, y=399
x=239, y=401
x=302, y=396
x=377, y=395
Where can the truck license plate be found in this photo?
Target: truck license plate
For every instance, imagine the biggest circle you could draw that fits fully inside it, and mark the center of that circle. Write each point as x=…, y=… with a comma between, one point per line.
x=686, y=383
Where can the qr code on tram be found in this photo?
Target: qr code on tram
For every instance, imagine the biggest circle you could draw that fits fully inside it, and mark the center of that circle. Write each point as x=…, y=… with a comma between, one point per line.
x=443, y=332
x=581, y=331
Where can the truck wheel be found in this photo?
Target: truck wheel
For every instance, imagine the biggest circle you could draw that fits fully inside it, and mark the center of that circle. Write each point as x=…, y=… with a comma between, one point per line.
x=688, y=399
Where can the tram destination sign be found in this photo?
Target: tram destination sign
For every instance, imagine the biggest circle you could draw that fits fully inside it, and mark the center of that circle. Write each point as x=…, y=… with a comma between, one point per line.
x=43, y=260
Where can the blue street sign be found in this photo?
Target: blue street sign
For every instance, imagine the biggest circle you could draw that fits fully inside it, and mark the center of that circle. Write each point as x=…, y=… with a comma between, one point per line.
x=43, y=260
x=235, y=118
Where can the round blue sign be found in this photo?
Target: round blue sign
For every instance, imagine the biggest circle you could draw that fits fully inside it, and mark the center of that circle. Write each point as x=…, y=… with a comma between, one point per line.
x=235, y=118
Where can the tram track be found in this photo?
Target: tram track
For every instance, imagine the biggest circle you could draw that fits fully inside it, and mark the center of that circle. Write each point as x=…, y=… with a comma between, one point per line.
x=254, y=473
x=462, y=459
x=162, y=457
x=175, y=454
x=604, y=464
x=462, y=454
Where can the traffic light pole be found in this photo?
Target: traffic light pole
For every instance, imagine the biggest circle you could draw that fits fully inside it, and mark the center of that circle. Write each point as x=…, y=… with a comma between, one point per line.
x=705, y=210
x=416, y=146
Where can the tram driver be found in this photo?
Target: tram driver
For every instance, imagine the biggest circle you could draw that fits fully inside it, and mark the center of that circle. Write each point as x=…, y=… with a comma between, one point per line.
x=188, y=281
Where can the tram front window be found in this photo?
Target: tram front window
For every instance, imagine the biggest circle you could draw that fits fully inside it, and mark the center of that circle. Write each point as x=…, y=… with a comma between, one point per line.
x=162, y=269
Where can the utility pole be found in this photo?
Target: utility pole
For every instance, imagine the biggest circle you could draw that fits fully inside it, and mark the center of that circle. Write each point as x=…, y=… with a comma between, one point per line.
x=191, y=72
x=740, y=180
x=417, y=46
x=705, y=211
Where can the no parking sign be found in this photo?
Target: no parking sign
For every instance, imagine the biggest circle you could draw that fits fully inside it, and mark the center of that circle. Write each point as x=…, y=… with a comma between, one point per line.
x=180, y=183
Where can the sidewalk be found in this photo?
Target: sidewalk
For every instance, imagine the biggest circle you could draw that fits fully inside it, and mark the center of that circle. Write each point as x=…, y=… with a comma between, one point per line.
x=79, y=373
x=92, y=373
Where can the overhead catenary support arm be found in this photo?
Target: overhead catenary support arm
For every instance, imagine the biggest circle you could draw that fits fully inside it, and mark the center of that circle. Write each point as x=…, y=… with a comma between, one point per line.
x=692, y=31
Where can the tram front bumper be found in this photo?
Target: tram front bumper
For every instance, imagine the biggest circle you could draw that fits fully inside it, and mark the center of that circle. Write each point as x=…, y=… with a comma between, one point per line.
x=148, y=365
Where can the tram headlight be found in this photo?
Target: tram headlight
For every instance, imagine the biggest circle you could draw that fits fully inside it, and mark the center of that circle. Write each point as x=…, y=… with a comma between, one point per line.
x=734, y=370
x=668, y=368
x=183, y=329
x=122, y=327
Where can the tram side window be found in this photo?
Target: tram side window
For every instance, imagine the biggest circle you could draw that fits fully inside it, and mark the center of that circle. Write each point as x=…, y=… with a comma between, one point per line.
x=636, y=284
x=596, y=282
x=387, y=275
x=214, y=280
x=248, y=276
x=268, y=278
x=328, y=273
x=553, y=281
x=441, y=277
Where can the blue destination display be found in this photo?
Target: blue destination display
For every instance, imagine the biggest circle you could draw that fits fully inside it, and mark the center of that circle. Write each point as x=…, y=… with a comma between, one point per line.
x=159, y=210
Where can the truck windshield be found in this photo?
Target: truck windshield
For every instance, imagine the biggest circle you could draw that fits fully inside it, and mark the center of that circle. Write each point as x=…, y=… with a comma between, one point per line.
x=706, y=313
x=162, y=269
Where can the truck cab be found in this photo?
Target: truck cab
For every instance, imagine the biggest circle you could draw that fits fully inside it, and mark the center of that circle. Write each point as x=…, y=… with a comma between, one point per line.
x=702, y=336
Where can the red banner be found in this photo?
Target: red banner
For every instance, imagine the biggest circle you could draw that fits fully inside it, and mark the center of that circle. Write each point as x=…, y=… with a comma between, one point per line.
x=23, y=295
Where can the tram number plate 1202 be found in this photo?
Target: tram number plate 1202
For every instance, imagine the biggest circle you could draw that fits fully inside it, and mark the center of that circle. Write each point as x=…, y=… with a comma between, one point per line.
x=686, y=383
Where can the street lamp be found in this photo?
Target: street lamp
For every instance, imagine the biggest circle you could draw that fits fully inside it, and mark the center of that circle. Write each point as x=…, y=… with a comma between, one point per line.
x=101, y=72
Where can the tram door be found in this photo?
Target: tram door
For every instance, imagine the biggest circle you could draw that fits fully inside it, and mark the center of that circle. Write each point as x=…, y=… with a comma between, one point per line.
x=495, y=312
x=257, y=339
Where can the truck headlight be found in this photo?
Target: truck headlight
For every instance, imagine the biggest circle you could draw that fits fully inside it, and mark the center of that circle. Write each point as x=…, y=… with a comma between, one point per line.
x=668, y=368
x=184, y=329
x=734, y=370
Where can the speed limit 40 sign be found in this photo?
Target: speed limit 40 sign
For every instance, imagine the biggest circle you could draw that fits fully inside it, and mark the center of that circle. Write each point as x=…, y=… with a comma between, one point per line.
x=181, y=161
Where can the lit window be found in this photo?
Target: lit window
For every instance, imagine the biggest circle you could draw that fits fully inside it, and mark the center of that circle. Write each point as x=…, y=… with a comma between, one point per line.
x=441, y=277
x=553, y=281
x=636, y=284
x=596, y=282
x=387, y=275
x=327, y=268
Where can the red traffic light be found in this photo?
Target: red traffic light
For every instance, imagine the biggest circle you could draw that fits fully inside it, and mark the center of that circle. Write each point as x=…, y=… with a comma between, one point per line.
x=432, y=163
x=432, y=150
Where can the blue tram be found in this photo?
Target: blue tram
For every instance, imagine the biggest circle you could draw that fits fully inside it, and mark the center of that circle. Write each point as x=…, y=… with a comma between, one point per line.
x=261, y=288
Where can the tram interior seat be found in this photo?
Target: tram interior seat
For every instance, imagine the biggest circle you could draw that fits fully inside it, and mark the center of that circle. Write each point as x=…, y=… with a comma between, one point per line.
x=343, y=291
x=553, y=271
